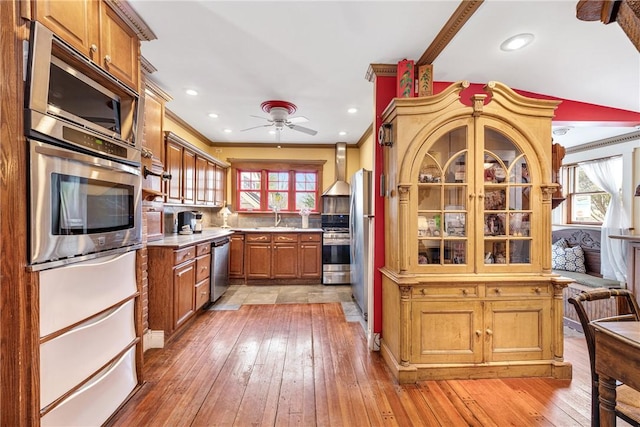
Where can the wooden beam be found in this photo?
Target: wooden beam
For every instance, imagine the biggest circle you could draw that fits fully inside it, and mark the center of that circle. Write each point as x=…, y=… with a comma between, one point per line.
x=625, y=12
x=455, y=23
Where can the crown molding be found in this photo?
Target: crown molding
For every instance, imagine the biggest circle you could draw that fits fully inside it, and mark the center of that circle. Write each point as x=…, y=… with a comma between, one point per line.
x=381, y=70
x=173, y=116
x=134, y=21
x=621, y=139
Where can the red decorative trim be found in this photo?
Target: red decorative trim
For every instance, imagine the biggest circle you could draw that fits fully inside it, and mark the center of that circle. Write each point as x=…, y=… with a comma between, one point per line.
x=268, y=105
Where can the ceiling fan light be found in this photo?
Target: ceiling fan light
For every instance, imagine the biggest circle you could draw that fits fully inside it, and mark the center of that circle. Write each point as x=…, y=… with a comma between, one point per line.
x=517, y=42
x=352, y=110
x=213, y=115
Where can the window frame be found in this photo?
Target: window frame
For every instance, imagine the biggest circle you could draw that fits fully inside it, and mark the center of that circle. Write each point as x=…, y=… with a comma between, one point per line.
x=264, y=167
x=569, y=174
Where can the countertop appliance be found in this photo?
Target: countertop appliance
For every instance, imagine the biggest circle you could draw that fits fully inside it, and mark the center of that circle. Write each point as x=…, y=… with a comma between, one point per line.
x=359, y=221
x=335, y=249
x=197, y=227
x=186, y=222
x=219, y=267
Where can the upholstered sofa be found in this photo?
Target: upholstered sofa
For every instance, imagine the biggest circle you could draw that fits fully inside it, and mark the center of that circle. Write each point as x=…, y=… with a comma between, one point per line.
x=589, y=242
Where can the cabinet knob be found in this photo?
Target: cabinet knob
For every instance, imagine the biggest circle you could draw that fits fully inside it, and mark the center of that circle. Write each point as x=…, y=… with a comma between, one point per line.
x=479, y=332
x=93, y=48
x=422, y=291
x=465, y=292
x=497, y=291
x=537, y=290
x=489, y=332
x=107, y=59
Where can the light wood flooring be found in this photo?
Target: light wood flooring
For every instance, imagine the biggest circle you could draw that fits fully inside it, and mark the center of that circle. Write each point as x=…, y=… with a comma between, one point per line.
x=305, y=364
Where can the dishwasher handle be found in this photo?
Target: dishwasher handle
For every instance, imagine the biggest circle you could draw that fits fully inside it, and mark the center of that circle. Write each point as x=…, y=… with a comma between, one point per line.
x=220, y=242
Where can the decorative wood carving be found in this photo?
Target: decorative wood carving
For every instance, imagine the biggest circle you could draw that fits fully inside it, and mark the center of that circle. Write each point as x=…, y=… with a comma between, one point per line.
x=625, y=12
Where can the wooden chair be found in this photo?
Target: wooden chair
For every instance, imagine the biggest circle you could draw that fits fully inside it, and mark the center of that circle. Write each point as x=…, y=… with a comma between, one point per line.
x=627, y=399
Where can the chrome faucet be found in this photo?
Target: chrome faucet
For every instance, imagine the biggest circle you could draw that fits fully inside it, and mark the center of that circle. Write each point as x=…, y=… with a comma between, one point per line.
x=277, y=217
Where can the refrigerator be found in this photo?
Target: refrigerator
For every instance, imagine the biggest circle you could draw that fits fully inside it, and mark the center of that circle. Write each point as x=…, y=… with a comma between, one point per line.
x=360, y=214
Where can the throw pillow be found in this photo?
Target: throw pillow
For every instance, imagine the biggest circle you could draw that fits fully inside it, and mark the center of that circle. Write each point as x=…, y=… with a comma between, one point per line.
x=561, y=242
x=568, y=259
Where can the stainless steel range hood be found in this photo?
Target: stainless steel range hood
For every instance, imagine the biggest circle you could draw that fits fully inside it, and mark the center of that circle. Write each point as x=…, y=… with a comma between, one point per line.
x=340, y=187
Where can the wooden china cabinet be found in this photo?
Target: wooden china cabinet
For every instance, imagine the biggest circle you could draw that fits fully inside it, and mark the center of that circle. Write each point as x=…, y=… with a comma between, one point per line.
x=467, y=285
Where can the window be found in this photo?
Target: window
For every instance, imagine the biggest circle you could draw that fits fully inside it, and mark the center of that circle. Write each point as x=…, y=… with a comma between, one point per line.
x=268, y=186
x=587, y=203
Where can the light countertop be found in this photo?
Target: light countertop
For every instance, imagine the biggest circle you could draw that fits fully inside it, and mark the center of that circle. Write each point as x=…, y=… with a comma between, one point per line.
x=182, y=240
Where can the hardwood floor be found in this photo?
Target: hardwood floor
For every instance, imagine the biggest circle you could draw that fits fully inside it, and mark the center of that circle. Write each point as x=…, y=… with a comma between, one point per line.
x=304, y=364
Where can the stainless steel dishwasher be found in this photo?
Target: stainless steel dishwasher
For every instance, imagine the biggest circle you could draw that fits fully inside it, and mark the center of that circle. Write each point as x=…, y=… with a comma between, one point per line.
x=219, y=267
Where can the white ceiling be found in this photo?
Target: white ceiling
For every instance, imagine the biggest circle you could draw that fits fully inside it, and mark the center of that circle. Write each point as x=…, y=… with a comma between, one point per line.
x=315, y=54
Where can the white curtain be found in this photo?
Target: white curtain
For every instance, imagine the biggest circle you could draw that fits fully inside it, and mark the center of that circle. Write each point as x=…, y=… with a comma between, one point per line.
x=607, y=175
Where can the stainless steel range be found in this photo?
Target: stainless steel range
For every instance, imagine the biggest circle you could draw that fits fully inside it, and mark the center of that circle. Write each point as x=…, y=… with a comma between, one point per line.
x=335, y=249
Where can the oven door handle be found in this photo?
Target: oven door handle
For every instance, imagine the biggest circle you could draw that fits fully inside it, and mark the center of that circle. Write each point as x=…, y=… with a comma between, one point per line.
x=88, y=160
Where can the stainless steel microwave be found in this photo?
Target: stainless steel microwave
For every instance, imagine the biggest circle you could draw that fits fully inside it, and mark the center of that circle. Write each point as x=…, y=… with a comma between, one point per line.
x=66, y=90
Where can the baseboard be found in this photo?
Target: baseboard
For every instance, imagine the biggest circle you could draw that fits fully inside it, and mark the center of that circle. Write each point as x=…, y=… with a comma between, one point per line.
x=152, y=339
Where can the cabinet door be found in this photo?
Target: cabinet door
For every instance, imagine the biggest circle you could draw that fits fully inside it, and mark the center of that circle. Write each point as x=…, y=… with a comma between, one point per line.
x=189, y=177
x=517, y=330
x=153, y=141
x=203, y=292
x=184, y=279
x=119, y=48
x=76, y=22
x=505, y=214
x=201, y=180
x=236, y=257
x=174, y=167
x=310, y=256
x=285, y=260
x=210, y=183
x=258, y=260
x=220, y=185
x=446, y=332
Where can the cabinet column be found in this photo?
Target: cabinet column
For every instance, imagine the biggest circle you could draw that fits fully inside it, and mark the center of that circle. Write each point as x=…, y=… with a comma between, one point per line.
x=545, y=239
x=403, y=221
x=405, y=322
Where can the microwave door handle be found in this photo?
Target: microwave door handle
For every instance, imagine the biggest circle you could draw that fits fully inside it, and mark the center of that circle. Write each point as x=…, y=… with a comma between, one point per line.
x=88, y=160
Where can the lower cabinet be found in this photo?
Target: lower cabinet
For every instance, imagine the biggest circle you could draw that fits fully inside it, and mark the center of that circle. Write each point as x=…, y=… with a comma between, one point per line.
x=467, y=330
x=286, y=257
x=178, y=284
x=236, y=256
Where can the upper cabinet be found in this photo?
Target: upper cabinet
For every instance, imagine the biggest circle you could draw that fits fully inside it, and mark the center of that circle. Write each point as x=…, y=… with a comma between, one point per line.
x=473, y=187
x=196, y=178
x=95, y=29
x=153, y=137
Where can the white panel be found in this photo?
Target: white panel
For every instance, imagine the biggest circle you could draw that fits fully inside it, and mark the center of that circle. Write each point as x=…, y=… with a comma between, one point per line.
x=70, y=358
x=98, y=400
x=73, y=293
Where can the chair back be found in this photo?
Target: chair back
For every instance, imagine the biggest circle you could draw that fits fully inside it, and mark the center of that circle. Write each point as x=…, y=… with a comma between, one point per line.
x=628, y=310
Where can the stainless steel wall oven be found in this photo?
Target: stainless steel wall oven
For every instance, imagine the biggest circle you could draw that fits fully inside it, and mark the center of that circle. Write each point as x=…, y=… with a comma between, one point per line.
x=335, y=249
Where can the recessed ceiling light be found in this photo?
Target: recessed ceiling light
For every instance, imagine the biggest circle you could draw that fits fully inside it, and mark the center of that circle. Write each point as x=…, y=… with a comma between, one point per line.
x=517, y=42
x=227, y=131
x=272, y=132
x=213, y=115
x=352, y=110
x=561, y=131
x=191, y=92
x=342, y=133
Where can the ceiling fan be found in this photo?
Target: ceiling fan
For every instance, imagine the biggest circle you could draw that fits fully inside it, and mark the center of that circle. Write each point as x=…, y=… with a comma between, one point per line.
x=279, y=112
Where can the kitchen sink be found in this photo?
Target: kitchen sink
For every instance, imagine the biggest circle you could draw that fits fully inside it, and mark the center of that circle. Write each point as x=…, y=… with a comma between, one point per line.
x=272, y=228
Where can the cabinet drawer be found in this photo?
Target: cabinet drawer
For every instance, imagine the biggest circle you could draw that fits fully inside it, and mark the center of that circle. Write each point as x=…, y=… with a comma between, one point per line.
x=203, y=249
x=104, y=393
x=285, y=238
x=453, y=290
x=182, y=255
x=310, y=237
x=67, y=360
x=530, y=289
x=203, y=266
x=202, y=293
x=262, y=238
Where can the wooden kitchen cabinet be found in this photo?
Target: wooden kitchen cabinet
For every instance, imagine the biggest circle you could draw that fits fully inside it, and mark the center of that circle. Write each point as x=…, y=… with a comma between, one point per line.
x=468, y=290
x=94, y=29
x=236, y=256
x=196, y=178
x=258, y=256
x=153, y=145
x=310, y=256
x=277, y=257
x=178, y=284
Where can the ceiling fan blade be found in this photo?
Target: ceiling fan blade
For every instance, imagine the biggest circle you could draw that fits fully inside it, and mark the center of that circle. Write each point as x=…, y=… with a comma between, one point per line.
x=255, y=127
x=298, y=119
x=260, y=117
x=302, y=129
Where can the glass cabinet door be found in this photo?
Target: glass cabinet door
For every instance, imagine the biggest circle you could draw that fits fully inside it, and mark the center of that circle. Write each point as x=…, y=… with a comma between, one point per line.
x=506, y=189
x=442, y=205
